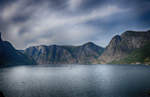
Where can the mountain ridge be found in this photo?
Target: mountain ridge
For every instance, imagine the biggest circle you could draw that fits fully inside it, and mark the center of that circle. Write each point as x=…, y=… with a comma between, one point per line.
x=118, y=48
x=122, y=45
x=59, y=54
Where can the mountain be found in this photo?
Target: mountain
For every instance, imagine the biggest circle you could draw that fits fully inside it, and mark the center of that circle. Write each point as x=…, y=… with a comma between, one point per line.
x=56, y=54
x=131, y=47
x=122, y=45
x=138, y=56
x=10, y=56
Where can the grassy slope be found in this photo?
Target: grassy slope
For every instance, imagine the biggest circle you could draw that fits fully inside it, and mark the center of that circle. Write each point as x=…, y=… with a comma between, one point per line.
x=138, y=56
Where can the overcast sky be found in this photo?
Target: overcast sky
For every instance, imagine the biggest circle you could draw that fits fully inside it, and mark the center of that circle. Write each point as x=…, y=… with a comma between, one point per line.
x=70, y=22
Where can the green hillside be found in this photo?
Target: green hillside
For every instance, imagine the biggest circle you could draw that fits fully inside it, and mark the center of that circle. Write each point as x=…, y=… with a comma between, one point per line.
x=138, y=56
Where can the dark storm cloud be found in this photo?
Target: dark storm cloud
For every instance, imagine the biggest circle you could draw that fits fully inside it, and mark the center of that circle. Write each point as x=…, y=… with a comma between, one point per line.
x=5, y=2
x=137, y=5
x=54, y=4
x=35, y=22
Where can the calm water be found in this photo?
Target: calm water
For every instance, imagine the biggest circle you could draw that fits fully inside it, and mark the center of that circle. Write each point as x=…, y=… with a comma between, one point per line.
x=75, y=81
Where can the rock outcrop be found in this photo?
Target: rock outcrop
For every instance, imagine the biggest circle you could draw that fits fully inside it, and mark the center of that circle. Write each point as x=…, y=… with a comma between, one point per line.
x=121, y=46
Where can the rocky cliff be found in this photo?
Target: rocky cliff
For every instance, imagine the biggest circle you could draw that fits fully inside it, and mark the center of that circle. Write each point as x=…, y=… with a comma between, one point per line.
x=55, y=54
x=122, y=45
x=10, y=56
x=138, y=56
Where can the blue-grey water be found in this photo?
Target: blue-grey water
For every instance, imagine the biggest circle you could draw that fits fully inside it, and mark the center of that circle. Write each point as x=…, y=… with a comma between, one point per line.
x=75, y=81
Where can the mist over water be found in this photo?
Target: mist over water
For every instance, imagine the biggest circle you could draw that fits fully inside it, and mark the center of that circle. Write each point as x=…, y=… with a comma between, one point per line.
x=75, y=81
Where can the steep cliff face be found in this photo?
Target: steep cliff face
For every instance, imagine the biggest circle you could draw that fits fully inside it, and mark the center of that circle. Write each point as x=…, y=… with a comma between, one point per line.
x=138, y=56
x=55, y=54
x=49, y=54
x=10, y=56
x=86, y=53
x=121, y=46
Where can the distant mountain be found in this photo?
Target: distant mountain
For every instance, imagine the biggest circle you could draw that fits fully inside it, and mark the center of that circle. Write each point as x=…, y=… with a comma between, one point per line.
x=121, y=46
x=55, y=54
x=10, y=56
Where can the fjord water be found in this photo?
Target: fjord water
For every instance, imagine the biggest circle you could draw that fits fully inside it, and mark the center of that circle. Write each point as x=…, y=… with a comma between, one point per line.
x=75, y=81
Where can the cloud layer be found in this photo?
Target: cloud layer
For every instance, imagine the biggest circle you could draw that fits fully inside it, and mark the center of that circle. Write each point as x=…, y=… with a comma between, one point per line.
x=70, y=22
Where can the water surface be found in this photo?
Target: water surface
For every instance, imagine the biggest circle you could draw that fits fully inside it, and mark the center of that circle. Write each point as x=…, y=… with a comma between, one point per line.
x=75, y=81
